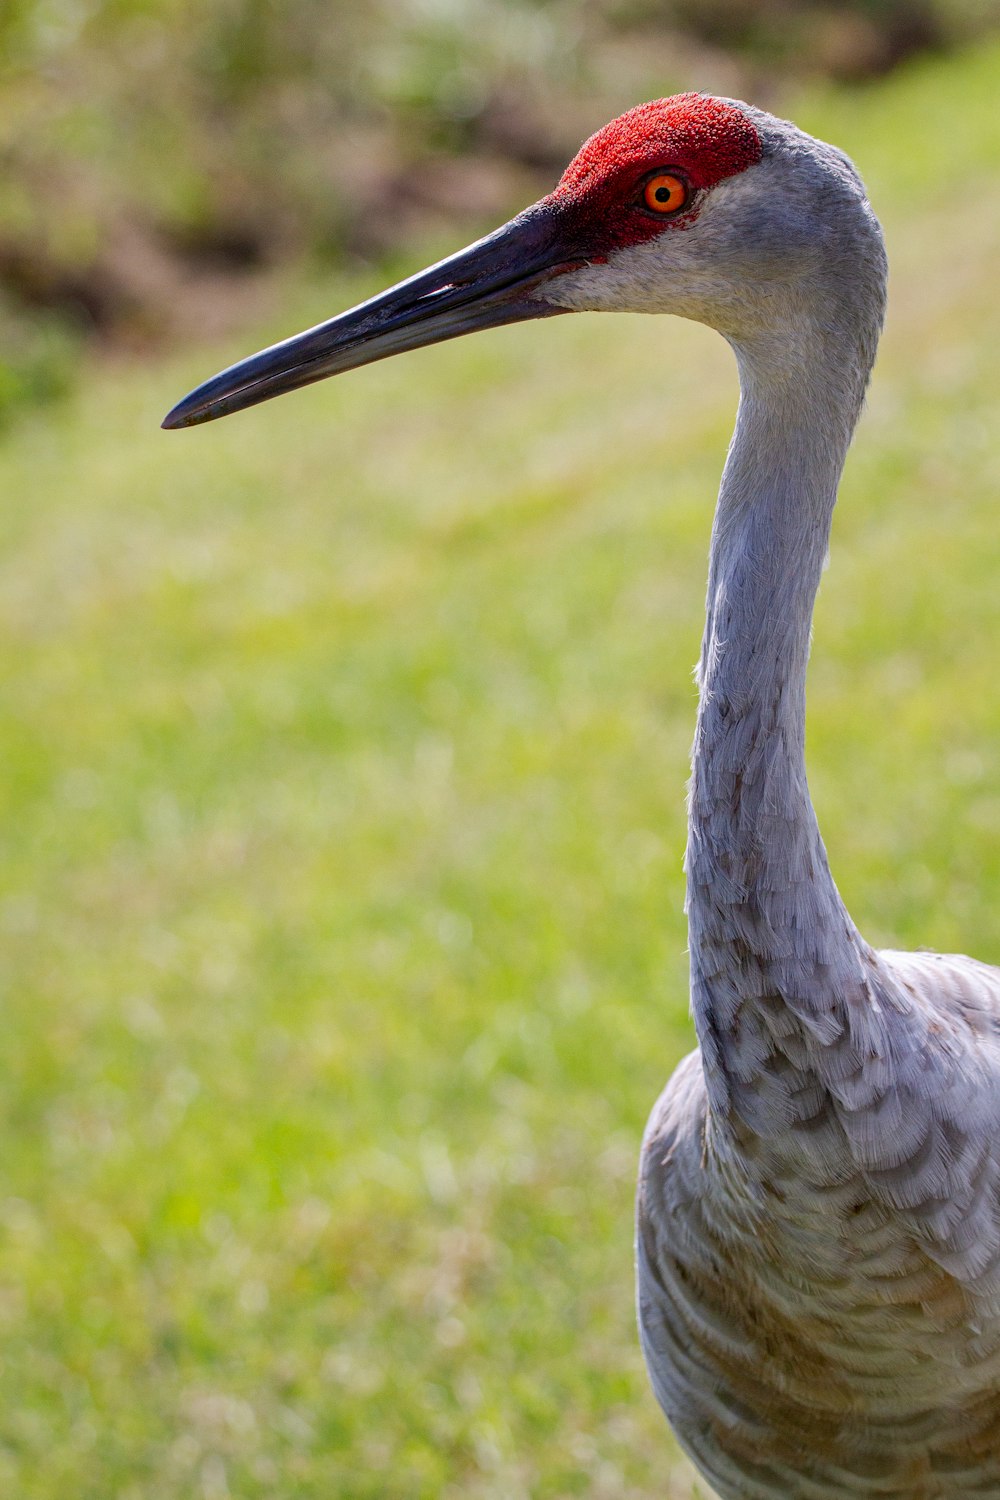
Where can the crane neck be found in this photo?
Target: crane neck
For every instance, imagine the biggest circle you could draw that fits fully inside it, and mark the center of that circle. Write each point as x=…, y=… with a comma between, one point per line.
x=772, y=946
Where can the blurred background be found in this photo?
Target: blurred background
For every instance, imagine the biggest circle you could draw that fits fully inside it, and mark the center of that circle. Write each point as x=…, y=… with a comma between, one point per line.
x=344, y=742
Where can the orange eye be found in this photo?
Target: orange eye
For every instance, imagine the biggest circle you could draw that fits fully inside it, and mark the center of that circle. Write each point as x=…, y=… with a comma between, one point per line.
x=665, y=193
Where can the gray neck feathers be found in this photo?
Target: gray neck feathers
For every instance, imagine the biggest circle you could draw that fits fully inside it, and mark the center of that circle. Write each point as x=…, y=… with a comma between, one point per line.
x=774, y=954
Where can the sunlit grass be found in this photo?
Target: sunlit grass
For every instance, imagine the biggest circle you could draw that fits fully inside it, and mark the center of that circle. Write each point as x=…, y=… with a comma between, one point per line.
x=344, y=752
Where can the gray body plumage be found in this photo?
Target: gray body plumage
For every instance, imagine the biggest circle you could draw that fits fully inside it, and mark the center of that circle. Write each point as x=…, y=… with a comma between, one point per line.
x=819, y=1198
x=819, y=1294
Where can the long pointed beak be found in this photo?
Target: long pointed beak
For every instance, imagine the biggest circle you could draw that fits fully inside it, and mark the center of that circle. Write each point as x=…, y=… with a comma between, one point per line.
x=500, y=279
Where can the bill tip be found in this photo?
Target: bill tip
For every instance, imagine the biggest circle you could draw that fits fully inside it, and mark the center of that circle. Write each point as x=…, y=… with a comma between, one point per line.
x=184, y=414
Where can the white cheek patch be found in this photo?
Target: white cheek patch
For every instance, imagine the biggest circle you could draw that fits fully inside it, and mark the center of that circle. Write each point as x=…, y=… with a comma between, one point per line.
x=687, y=269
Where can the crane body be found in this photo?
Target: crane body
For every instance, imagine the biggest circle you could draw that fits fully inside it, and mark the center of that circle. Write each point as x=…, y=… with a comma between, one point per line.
x=818, y=1227
x=818, y=1255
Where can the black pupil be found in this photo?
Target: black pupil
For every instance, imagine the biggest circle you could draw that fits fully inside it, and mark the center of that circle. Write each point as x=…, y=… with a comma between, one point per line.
x=662, y=195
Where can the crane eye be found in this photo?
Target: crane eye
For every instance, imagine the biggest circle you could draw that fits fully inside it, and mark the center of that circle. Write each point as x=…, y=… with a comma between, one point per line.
x=664, y=193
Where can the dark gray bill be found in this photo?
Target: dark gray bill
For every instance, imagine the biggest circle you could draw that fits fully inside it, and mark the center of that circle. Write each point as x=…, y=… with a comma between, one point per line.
x=492, y=282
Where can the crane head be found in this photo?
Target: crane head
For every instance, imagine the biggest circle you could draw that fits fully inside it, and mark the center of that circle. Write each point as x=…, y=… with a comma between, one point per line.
x=693, y=205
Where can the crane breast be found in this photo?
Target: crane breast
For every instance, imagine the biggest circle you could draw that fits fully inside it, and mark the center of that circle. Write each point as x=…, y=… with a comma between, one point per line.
x=800, y=1337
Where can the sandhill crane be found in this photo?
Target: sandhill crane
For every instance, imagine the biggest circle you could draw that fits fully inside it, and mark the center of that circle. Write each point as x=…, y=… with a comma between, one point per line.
x=818, y=1238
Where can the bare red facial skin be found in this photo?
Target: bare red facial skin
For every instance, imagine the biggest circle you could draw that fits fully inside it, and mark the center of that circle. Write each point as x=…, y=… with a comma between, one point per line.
x=600, y=190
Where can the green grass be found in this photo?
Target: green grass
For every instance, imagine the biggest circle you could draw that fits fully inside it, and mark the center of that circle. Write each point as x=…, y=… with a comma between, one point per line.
x=344, y=751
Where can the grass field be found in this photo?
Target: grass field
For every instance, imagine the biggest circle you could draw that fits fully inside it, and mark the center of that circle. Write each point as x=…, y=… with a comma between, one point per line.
x=344, y=751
